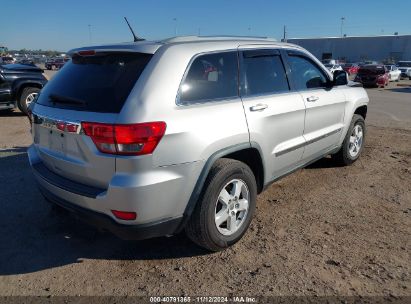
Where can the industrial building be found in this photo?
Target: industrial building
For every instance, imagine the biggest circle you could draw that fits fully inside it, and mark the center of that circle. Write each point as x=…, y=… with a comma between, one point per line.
x=387, y=48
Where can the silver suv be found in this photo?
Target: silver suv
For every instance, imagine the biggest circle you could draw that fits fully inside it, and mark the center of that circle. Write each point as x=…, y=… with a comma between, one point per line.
x=148, y=139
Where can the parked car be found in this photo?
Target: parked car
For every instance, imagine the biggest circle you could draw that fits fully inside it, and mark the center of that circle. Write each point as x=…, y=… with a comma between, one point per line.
x=26, y=61
x=394, y=74
x=151, y=138
x=373, y=75
x=7, y=60
x=19, y=85
x=55, y=63
x=369, y=62
x=351, y=68
x=333, y=67
x=329, y=61
x=405, y=68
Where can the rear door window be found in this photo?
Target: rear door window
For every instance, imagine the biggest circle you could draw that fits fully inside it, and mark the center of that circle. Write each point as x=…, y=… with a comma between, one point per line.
x=210, y=77
x=99, y=83
x=263, y=73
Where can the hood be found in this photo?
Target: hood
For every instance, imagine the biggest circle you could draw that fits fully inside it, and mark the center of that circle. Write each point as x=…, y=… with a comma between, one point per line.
x=20, y=68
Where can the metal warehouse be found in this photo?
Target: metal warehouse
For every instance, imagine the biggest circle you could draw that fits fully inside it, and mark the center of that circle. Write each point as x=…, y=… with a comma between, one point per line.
x=389, y=48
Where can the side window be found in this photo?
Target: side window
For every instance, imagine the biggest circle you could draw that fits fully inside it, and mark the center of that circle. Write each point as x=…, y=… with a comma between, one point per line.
x=306, y=74
x=210, y=77
x=263, y=73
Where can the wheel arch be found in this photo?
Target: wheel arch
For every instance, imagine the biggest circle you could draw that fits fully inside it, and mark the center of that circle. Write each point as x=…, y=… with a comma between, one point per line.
x=361, y=110
x=249, y=153
x=20, y=86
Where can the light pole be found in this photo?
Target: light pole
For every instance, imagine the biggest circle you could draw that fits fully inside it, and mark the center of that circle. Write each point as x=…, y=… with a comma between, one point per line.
x=175, y=26
x=89, y=32
x=342, y=24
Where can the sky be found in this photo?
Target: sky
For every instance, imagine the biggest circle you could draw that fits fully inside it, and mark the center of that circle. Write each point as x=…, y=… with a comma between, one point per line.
x=62, y=25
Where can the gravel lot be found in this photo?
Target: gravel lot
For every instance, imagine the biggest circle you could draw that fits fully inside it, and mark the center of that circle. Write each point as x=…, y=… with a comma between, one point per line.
x=322, y=231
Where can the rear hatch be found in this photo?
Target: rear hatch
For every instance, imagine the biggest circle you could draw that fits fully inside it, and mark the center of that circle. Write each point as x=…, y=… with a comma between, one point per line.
x=91, y=87
x=370, y=73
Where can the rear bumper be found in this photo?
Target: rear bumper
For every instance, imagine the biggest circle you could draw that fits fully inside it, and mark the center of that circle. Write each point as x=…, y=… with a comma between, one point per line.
x=158, y=199
x=104, y=222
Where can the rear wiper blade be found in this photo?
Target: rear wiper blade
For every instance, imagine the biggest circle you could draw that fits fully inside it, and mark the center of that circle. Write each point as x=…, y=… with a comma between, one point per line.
x=67, y=100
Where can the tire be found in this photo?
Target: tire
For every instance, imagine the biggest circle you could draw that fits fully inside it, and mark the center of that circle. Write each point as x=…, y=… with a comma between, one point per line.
x=347, y=155
x=202, y=227
x=28, y=93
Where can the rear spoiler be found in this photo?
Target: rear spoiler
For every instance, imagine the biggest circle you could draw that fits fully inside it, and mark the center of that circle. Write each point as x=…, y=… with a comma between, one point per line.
x=138, y=47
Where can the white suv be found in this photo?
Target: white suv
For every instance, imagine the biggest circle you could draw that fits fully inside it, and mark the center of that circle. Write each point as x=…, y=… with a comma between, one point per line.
x=405, y=68
x=151, y=138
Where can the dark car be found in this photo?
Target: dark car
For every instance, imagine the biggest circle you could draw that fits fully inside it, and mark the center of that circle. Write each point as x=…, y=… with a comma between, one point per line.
x=55, y=63
x=7, y=60
x=19, y=85
x=26, y=61
x=373, y=75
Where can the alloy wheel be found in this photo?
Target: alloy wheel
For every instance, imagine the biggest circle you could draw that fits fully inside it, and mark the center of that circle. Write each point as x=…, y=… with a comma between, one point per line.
x=30, y=98
x=232, y=206
x=356, y=140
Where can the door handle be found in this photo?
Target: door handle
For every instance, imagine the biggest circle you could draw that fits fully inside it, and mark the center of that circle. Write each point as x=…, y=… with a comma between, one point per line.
x=312, y=98
x=258, y=107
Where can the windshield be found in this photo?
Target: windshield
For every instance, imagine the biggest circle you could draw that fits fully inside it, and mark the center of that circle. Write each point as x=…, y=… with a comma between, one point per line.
x=404, y=64
x=102, y=82
x=348, y=65
x=328, y=66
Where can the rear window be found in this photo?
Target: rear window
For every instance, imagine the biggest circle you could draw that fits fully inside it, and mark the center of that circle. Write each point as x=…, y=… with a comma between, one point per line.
x=99, y=83
x=378, y=70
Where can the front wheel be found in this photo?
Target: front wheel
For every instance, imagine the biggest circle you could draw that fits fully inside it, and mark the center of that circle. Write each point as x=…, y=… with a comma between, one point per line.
x=226, y=206
x=26, y=98
x=353, y=143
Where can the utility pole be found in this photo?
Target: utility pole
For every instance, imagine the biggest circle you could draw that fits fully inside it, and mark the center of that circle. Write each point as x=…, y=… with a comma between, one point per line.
x=89, y=32
x=285, y=34
x=342, y=24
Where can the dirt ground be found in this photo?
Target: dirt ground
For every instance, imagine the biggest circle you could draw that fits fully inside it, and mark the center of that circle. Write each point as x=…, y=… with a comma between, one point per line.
x=322, y=231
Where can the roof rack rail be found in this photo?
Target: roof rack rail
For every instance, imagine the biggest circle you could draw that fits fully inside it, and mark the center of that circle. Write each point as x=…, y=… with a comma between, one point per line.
x=214, y=38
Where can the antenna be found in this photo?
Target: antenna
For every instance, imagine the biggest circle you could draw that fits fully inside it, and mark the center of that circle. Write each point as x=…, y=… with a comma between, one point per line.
x=132, y=32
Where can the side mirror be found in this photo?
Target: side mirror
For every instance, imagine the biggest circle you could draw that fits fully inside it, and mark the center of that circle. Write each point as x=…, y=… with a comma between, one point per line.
x=340, y=78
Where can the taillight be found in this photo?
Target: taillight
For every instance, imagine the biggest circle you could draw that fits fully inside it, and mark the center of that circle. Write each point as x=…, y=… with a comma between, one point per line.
x=132, y=139
x=124, y=215
x=87, y=53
